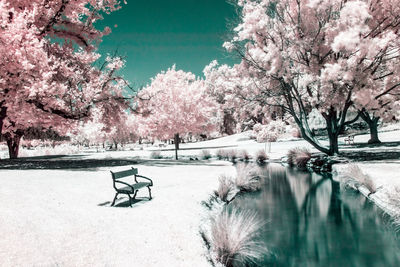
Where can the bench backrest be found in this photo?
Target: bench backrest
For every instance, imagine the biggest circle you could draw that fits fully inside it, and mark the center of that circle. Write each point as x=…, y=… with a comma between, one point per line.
x=122, y=174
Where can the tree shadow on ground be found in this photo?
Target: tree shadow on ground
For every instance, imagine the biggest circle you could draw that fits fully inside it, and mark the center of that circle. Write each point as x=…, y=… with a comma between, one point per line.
x=197, y=148
x=80, y=163
x=172, y=162
x=63, y=162
x=388, y=151
x=124, y=202
x=366, y=145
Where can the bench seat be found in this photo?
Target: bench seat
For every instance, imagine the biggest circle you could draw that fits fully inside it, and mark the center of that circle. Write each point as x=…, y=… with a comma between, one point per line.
x=136, y=186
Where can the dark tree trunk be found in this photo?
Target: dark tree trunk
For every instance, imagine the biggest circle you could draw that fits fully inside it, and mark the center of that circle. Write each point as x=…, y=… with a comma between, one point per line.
x=228, y=123
x=333, y=131
x=13, y=144
x=373, y=127
x=176, y=142
x=372, y=122
x=3, y=112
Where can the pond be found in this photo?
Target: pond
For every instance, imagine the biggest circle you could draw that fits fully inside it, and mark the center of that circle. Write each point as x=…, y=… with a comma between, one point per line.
x=312, y=221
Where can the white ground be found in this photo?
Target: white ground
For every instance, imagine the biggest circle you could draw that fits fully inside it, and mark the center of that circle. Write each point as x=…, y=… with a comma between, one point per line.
x=52, y=218
x=62, y=218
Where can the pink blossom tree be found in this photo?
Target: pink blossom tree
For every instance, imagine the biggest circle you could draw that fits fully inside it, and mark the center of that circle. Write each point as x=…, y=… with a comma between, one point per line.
x=47, y=75
x=175, y=104
x=322, y=54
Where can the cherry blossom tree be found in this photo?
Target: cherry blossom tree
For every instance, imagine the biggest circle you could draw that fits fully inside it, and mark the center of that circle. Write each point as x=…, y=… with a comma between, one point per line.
x=322, y=54
x=174, y=104
x=47, y=73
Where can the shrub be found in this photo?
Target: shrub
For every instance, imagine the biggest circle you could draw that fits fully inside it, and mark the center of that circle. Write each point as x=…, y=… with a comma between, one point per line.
x=233, y=237
x=244, y=155
x=205, y=154
x=298, y=157
x=156, y=155
x=354, y=177
x=261, y=156
x=232, y=155
x=226, y=188
x=221, y=154
x=248, y=178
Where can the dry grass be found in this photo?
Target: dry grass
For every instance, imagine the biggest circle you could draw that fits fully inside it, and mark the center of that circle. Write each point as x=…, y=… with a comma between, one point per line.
x=298, y=157
x=354, y=177
x=248, y=178
x=222, y=154
x=156, y=155
x=261, y=156
x=233, y=237
x=244, y=155
x=232, y=155
x=205, y=154
x=394, y=202
x=226, y=189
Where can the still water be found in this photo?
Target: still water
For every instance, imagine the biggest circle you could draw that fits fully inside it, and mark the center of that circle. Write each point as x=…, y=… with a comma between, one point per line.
x=312, y=221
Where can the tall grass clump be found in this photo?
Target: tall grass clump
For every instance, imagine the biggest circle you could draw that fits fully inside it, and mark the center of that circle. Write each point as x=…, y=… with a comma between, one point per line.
x=232, y=155
x=244, y=155
x=354, y=177
x=394, y=202
x=226, y=189
x=156, y=155
x=233, y=237
x=298, y=157
x=205, y=154
x=221, y=154
x=261, y=156
x=248, y=178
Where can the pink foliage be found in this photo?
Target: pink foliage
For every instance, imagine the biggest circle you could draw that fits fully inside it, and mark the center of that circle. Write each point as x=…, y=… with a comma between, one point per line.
x=322, y=54
x=175, y=102
x=47, y=75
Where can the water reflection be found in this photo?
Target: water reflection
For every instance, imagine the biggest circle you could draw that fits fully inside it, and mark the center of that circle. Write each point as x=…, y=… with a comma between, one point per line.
x=312, y=223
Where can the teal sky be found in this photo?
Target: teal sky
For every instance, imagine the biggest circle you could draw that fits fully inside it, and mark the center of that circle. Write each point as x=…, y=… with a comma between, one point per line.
x=155, y=34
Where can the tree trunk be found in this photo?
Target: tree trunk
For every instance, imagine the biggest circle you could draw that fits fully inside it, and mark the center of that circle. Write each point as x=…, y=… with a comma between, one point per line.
x=373, y=128
x=3, y=112
x=333, y=143
x=13, y=144
x=333, y=132
x=176, y=142
x=372, y=122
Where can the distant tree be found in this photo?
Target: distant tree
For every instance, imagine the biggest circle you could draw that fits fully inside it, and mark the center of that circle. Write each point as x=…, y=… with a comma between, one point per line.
x=328, y=55
x=47, y=75
x=175, y=104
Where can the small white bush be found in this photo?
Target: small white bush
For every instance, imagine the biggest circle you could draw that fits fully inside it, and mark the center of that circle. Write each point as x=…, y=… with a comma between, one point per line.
x=248, y=178
x=226, y=189
x=156, y=155
x=233, y=237
x=205, y=154
x=261, y=156
x=354, y=177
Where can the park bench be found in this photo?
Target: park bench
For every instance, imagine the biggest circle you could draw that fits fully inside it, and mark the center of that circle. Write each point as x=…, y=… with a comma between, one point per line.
x=349, y=139
x=123, y=186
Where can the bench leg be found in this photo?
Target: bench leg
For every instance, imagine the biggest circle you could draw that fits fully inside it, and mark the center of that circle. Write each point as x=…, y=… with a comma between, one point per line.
x=149, y=192
x=130, y=200
x=115, y=198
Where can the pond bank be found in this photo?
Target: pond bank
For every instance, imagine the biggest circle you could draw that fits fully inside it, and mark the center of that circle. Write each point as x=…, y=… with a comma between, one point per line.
x=385, y=175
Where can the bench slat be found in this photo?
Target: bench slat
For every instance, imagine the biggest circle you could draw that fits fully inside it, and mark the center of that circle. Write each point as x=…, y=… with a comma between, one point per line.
x=121, y=174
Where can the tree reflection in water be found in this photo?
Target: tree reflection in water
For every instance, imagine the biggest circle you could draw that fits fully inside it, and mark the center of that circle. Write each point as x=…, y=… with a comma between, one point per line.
x=311, y=222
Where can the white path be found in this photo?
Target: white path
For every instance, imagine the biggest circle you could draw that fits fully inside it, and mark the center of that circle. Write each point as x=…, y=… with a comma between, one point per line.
x=52, y=218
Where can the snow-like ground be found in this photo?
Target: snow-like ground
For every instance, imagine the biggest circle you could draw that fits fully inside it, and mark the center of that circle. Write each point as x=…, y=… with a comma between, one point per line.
x=62, y=218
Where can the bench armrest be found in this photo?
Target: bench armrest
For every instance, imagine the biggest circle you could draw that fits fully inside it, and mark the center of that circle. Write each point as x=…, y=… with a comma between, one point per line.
x=144, y=177
x=133, y=189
